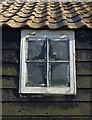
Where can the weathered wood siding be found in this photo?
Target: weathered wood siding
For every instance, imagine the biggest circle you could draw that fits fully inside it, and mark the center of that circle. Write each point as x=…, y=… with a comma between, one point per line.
x=40, y=106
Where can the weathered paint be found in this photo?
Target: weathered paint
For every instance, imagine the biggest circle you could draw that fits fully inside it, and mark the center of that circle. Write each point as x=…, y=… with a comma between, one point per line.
x=42, y=105
x=10, y=81
x=46, y=108
x=11, y=95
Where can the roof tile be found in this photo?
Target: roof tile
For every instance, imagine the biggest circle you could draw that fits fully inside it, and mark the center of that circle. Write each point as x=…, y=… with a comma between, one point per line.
x=51, y=14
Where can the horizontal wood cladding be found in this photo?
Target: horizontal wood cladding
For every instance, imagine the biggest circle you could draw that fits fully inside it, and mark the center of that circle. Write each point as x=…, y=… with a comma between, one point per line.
x=83, y=39
x=45, y=105
x=10, y=55
x=10, y=44
x=10, y=81
x=10, y=69
x=13, y=55
x=87, y=44
x=11, y=95
x=46, y=117
x=46, y=108
x=84, y=81
x=11, y=38
x=83, y=68
x=83, y=55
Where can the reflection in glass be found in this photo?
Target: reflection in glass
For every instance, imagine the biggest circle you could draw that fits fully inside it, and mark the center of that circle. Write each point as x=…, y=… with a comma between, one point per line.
x=36, y=74
x=42, y=65
x=60, y=74
x=36, y=50
x=59, y=50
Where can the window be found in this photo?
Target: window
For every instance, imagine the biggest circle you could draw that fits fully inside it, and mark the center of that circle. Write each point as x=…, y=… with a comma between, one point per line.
x=47, y=62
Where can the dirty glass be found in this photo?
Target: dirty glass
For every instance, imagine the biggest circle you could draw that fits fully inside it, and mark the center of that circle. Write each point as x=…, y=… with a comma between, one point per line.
x=36, y=74
x=59, y=50
x=48, y=56
x=36, y=49
x=59, y=74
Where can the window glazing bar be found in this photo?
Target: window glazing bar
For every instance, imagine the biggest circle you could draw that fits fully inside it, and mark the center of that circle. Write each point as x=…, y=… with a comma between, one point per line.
x=47, y=46
x=36, y=61
x=59, y=61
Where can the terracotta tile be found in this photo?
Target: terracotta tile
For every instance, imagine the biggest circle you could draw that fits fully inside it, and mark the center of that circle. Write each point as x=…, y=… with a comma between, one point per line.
x=51, y=14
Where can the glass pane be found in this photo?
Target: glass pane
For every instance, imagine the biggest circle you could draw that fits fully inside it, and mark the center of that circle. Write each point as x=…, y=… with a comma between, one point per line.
x=59, y=50
x=36, y=75
x=36, y=50
x=59, y=74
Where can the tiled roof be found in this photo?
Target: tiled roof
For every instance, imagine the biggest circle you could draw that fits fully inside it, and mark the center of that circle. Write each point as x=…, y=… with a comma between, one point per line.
x=51, y=14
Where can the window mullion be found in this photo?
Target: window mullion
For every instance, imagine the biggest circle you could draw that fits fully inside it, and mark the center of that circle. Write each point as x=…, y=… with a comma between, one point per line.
x=47, y=46
x=59, y=61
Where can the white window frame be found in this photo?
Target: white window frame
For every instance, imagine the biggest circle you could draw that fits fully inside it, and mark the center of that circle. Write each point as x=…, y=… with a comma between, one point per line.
x=60, y=34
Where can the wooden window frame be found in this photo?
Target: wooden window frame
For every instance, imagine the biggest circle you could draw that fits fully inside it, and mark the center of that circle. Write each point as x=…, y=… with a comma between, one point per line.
x=60, y=34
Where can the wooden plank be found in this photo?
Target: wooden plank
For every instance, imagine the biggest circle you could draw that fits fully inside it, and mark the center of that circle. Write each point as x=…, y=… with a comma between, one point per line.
x=84, y=68
x=84, y=44
x=10, y=38
x=84, y=55
x=83, y=39
x=46, y=117
x=9, y=82
x=10, y=45
x=83, y=95
x=83, y=34
x=13, y=96
x=39, y=108
x=10, y=69
x=0, y=55
x=10, y=55
x=84, y=81
x=13, y=81
x=87, y=44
